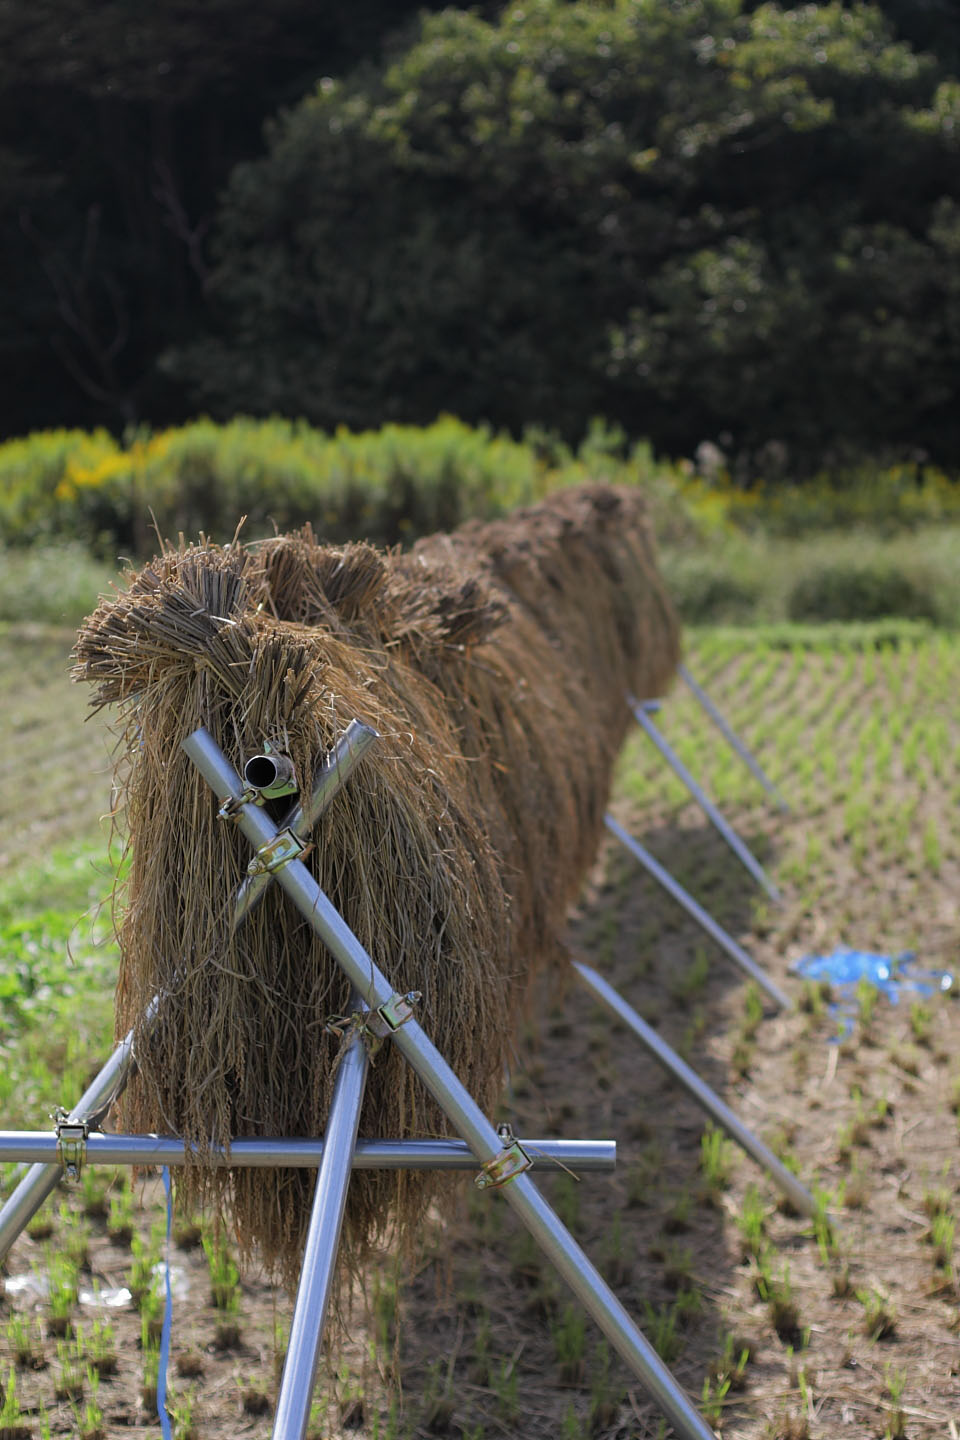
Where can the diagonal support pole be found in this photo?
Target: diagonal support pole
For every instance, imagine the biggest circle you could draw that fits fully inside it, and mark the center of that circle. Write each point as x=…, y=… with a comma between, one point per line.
x=461, y=1109
x=798, y=1195
x=323, y=1242
x=703, y=918
x=642, y=713
x=41, y=1180
x=733, y=739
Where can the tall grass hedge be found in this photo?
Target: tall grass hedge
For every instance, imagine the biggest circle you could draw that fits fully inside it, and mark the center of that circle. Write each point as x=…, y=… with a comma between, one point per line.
x=387, y=486
x=853, y=546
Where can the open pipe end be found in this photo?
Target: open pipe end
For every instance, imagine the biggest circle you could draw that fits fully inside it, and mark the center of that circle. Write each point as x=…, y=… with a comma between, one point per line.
x=267, y=772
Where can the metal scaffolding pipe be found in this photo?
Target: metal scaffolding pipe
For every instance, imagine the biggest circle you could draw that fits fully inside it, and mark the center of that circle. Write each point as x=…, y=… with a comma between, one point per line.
x=732, y=738
x=797, y=1194
x=459, y=1106
x=706, y=804
x=582, y=1156
x=323, y=1242
x=705, y=920
x=303, y=817
x=42, y=1180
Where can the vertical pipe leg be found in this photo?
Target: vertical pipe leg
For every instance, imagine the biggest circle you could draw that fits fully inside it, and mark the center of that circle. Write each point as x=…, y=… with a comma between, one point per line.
x=706, y=921
x=457, y=1104
x=323, y=1242
x=733, y=739
x=797, y=1194
x=705, y=803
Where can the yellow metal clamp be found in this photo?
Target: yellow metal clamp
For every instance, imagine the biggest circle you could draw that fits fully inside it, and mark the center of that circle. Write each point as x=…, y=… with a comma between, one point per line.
x=506, y=1165
x=393, y=1012
x=284, y=847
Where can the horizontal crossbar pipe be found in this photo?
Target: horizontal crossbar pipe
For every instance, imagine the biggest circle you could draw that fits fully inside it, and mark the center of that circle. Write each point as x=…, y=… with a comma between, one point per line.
x=696, y=912
x=459, y=1106
x=581, y=1156
x=798, y=1195
x=706, y=804
x=41, y=1181
x=732, y=738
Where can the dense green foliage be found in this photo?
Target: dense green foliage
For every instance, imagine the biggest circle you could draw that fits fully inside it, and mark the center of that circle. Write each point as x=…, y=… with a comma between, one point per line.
x=384, y=486
x=703, y=219
x=119, y=125
x=401, y=482
x=873, y=544
x=698, y=221
x=864, y=591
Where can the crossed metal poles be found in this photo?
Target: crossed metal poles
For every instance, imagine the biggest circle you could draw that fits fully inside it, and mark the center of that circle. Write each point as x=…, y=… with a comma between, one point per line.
x=503, y=1159
x=43, y=1178
x=340, y=1151
x=643, y=713
x=503, y=1164
x=732, y=738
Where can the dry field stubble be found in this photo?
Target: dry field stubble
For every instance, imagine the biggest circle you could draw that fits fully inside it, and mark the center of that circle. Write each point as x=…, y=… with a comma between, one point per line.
x=777, y=1332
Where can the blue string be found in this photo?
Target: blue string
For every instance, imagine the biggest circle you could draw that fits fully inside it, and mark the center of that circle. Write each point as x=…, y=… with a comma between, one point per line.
x=167, y=1322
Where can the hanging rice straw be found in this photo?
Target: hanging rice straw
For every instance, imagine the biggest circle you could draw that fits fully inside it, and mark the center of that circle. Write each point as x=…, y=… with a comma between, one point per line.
x=494, y=663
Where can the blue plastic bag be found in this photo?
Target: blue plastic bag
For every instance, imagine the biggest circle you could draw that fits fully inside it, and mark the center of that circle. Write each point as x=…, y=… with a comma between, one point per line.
x=893, y=975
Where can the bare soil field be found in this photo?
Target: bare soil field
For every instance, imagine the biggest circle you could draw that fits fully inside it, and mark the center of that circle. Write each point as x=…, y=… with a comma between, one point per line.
x=775, y=1327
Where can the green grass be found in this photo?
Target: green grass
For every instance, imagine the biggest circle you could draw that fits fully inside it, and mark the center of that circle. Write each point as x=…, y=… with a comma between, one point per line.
x=749, y=580
x=55, y=774
x=58, y=968
x=50, y=584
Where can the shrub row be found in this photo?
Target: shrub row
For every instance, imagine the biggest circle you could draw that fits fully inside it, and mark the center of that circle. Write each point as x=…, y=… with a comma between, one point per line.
x=386, y=486
x=389, y=486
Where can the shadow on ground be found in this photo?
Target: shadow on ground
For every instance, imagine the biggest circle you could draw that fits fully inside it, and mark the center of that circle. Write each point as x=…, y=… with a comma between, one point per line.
x=519, y=1358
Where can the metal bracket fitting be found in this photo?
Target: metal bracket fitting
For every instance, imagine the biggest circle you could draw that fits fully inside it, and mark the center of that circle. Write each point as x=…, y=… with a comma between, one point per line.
x=71, y=1143
x=505, y=1166
x=393, y=1013
x=231, y=807
x=284, y=847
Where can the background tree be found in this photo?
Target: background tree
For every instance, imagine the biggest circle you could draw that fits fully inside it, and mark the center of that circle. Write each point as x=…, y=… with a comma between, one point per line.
x=120, y=124
x=696, y=219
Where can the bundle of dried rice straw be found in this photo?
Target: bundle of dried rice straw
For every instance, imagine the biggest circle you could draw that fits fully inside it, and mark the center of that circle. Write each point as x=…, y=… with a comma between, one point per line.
x=494, y=663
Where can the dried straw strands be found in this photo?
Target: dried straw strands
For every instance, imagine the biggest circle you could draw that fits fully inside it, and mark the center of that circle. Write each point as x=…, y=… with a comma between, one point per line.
x=494, y=663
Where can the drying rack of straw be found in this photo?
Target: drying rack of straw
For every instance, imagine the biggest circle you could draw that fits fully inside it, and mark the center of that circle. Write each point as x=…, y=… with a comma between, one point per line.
x=215, y=612
x=381, y=1014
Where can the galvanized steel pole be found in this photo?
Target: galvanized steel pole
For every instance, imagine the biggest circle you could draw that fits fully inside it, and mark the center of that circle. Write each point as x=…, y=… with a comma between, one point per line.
x=323, y=1242
x=706, y=921
x=463, y=1112
x=733, y=739
x=707, y=806
x=334, y=773
x=41, y=1180
x=797, y=1194
x=584, y=1156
